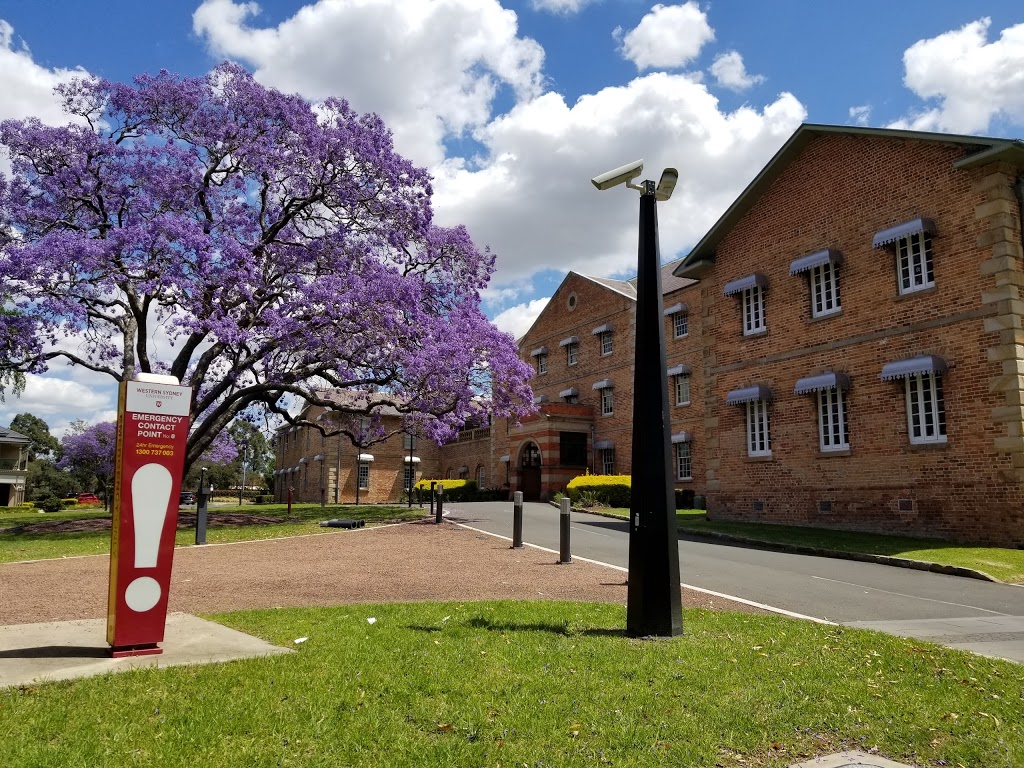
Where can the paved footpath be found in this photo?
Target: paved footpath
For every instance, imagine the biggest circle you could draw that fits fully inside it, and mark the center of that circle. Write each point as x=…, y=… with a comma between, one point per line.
x=974, y=615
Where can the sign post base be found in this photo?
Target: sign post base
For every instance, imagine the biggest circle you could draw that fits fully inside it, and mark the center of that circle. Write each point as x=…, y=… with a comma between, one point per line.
x=150, y=649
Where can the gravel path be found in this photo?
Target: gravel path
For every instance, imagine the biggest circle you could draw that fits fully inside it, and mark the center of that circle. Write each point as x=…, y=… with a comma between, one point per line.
x=410, y=562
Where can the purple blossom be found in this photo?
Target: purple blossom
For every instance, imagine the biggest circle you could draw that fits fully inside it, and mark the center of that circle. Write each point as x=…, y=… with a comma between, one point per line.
x=278, y=250
x=90, y=449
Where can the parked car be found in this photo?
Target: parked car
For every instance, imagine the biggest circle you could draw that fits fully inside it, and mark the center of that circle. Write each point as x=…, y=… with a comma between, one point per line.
x=88, y=498
x=187, y=497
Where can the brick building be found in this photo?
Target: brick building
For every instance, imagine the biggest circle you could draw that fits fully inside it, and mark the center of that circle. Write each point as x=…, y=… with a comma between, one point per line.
x=845, y=348
x=863, y=337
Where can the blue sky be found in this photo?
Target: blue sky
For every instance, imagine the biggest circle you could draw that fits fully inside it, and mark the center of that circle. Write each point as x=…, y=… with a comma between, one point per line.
x=515, y=105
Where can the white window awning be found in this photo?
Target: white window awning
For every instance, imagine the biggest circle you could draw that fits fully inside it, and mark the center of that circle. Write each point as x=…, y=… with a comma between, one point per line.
x=366, y=457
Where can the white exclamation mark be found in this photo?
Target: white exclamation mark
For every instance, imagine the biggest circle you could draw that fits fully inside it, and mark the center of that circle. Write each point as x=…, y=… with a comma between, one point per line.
x=151, y=490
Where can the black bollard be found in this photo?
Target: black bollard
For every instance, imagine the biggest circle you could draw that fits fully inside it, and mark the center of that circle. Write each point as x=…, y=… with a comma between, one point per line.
x=440, y=503
x=204, y=499
x=564, y=556
x=433, y=485
x=517, y=520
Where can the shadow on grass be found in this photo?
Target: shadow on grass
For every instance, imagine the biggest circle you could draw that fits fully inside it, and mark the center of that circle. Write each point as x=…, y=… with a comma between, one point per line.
x=552, y=627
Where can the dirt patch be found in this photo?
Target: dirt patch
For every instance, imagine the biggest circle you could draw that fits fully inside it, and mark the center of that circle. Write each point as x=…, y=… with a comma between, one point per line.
x=399, y=563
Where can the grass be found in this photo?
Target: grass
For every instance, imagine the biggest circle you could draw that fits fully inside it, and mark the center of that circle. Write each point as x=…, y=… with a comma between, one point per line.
x=1007, y=565
x=40, y=546
x=536, y=684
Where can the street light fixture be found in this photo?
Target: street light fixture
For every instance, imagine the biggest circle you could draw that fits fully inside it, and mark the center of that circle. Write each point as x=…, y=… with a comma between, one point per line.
x=654, y=606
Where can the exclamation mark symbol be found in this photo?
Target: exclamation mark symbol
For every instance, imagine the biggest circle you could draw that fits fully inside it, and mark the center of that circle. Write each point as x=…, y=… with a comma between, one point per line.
x=151, y=490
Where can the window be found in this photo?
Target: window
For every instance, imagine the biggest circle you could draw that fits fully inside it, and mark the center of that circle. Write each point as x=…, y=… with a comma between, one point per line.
x=684, y=465
x=607, y=461
x=481, y=477
x=759, y=442
x=833, y=429
x=926, y=408
x=409, y=442
x=607, y=403
x=409, y=477
x=914, y=260
x=572, y=448
x=753, y=311
x=542, y=363
x=364, y=474
x=682, y=389
x=825, y=290
x=451, y=474
x=680, y=324
x=571, y=353
x=606, y=342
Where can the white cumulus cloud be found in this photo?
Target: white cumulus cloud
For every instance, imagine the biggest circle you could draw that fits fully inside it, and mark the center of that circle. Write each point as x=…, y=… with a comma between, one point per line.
x=972, y=79
x=431, y=69
x=729, y=71
x=518, y=319
x=669, y=36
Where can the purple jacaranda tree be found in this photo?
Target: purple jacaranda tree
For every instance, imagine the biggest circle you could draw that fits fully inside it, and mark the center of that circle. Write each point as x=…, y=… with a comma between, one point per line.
x=263, y=250
x=89, y=450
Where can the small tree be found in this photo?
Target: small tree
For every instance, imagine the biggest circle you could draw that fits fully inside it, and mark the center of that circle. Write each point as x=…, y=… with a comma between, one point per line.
x=38, y=431
x=88, y=452
x=280, y=249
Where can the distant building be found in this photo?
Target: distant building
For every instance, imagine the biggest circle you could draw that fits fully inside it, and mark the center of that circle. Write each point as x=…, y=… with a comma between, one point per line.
x=13, y=467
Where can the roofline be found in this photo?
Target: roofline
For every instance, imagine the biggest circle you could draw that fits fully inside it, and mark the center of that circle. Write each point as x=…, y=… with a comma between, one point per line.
x=597, y=281
x=702, y=255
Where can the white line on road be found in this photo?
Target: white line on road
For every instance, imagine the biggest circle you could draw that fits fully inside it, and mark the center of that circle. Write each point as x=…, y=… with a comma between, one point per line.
x=915, y=597
x=592, y=533
x=722, y=595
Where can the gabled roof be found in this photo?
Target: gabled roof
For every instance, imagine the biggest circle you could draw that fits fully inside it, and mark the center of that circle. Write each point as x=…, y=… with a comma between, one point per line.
x=980, y=149
x=625, y=287
x=8, y=435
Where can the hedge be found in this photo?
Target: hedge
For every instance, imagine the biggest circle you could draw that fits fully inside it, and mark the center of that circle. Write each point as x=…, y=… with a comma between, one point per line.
x=615, y=491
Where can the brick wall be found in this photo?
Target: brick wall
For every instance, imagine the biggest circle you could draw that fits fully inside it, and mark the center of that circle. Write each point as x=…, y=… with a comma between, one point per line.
x=836, y=194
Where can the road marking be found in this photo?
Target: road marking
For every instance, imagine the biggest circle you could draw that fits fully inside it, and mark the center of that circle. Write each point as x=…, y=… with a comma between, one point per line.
x=734, y=598
x=914, y=597
x=592, y=533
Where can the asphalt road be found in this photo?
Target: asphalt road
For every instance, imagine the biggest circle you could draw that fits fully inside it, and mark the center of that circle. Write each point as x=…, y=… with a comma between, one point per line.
x=965, y=613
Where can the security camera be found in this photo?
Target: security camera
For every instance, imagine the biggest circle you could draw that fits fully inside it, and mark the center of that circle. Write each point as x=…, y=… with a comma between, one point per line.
x=622, y=175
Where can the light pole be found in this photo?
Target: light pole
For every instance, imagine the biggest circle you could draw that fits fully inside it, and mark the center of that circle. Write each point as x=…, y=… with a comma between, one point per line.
x=412, y=467
x=654, y=606
x=245, y=459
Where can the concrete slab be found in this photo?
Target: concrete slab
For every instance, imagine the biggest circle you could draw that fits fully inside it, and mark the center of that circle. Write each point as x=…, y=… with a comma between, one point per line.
x=64, y=650
x=854, y=759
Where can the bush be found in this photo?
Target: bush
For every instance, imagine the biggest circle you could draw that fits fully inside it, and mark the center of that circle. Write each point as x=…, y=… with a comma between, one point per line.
x=594, y=490
x=264, y=499
x=455, y=490
x=614, y=491
x=28, y=505
x=50, y=504
x=68, y=503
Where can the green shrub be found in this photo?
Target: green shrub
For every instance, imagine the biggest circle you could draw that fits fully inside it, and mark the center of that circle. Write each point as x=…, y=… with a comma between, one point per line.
x=50, y=504
x=68, y=503
x=28, y=505
x=600, y=490
x=454, y=490
x=264, y=499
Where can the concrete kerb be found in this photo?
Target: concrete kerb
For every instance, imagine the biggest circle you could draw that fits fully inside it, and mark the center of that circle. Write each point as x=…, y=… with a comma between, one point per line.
x=797, y=549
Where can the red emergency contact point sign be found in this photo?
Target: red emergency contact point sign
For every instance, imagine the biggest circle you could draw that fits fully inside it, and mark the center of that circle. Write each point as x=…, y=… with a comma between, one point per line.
x=152, y=430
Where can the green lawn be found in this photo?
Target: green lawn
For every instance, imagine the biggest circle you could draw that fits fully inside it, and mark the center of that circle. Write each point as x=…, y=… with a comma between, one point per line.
x=304, y=519
x=535, y=684
x=1003, y=564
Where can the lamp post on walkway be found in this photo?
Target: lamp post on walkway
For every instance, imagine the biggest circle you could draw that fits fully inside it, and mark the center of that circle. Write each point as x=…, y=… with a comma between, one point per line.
x=654, y=605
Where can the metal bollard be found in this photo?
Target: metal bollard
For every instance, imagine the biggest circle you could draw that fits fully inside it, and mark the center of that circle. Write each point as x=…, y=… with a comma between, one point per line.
x=433, y=485
x=517, y=520
x=204, y=500
x=564, y=556
x=440, y=503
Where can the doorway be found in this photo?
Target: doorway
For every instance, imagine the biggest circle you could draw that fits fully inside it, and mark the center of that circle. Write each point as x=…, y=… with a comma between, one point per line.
x=529, y=472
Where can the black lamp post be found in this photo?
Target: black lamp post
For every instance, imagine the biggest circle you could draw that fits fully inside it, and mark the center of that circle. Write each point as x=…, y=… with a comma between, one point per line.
x=412, y=466
x=245, y=459
x=654, y=605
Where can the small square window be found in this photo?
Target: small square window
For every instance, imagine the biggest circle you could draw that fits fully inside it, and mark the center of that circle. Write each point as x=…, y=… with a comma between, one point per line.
x=608, y=461
x=926, y=408
x=914, y=261
x=833, y=428
x=571, y=353
x=825, y=290
x=606, y=342
x=753, y=311
x=682, y=389
x=759, y=441
x=607, y=402
x=680, y=325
